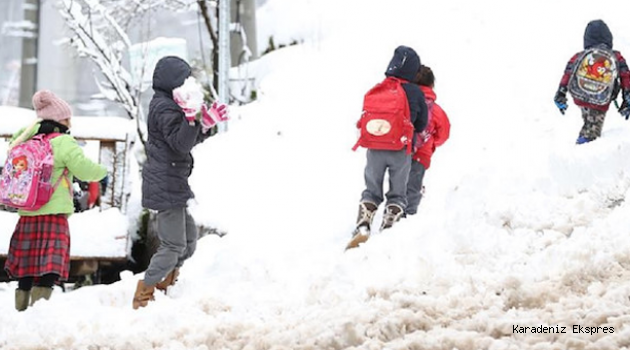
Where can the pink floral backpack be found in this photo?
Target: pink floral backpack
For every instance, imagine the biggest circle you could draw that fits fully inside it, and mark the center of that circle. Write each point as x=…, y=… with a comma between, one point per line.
x=26, y=177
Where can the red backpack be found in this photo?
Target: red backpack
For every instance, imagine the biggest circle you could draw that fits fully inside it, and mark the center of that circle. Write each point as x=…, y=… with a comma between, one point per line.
x=385, y=123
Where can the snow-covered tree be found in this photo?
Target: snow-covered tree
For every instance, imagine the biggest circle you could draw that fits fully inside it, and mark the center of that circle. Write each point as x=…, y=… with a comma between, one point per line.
x=101, y=39
x=99, y=30
x=127, y=11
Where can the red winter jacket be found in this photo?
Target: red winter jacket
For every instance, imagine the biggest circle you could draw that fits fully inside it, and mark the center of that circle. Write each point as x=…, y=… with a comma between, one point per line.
x=624, y=75
x=436, y=132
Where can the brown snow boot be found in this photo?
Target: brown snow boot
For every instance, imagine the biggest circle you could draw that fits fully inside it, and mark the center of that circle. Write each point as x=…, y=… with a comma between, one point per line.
x=168, y=281
x=366, y=214
x=393, y=212
x=143, y=295
x=22, y=299
x=358, y=238
x=364, y=222
x=38, y=293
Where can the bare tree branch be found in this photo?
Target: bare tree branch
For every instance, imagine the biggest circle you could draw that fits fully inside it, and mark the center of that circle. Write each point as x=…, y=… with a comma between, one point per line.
x=203, y=7
x=106, y=51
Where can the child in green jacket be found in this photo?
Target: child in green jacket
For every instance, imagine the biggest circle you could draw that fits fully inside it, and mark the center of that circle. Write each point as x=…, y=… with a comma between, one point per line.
x=39, y=251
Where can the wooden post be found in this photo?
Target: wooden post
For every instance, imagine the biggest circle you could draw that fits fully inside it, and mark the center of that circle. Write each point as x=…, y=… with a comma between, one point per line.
x=107, y=156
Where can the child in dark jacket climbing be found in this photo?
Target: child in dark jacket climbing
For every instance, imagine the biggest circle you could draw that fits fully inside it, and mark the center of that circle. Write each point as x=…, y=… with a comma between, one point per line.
x=178, y=120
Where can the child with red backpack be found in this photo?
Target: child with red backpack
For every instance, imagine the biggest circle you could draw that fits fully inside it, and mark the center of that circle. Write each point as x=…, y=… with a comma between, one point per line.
x=593, y=77
x=435, y=134
x=392, y=111
x=39, y=251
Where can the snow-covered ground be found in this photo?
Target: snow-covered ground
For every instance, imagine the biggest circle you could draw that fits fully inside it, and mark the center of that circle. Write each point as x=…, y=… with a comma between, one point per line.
x=519, y=227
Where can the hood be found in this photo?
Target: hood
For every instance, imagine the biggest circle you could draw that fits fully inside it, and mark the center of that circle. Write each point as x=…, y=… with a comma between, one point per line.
x=170, y=72
x=428, y=92
x=405, y=64
x=597, y=33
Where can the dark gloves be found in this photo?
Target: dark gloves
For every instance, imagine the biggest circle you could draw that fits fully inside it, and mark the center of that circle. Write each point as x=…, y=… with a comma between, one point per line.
x=561, y=99
x=624, y=110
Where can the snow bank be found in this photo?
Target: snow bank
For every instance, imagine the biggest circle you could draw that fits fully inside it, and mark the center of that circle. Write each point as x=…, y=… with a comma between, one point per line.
x=13, y=119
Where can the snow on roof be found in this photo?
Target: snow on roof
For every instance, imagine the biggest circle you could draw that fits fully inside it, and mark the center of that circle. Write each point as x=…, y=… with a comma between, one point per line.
x=108, y=127
x=93, y=233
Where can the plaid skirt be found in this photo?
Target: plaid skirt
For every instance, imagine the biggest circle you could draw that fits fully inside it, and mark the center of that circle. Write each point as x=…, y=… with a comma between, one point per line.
x=39, y=245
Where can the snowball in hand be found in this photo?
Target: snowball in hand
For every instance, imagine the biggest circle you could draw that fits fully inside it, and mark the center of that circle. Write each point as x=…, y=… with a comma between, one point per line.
x=189, y=95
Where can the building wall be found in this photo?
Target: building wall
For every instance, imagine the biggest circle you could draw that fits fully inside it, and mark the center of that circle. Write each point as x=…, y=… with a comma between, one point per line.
x=73, y=78
x=10, y=52
x=58, y=68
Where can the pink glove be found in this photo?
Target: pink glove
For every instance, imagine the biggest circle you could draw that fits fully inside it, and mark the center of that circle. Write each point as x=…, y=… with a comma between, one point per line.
x=207, y=121
x=210, y=117
x=190, y=114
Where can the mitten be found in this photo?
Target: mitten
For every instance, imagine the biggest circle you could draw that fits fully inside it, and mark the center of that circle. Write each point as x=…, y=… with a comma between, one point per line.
x=211, y=116
x=624, y=110
x=561, y=99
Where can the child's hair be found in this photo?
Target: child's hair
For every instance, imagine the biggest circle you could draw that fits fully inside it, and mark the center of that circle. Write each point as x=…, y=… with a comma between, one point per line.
x=19, y=159
x=425, y=77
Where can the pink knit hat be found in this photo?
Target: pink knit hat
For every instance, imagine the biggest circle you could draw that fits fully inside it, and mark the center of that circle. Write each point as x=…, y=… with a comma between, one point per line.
x=50, y=107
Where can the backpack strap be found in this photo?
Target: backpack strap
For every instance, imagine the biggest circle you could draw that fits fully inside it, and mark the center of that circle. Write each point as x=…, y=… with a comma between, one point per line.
x=24, y=135
x=410, y=141
x=52, y=135
x=63, y=175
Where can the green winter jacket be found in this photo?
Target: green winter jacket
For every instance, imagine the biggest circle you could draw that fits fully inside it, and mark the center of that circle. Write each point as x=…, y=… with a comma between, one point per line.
x=66, y=154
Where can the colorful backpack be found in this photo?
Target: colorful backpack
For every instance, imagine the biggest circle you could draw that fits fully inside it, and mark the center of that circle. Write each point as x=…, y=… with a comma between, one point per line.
x=594, y=77
x=385, y=123
x=26, y=177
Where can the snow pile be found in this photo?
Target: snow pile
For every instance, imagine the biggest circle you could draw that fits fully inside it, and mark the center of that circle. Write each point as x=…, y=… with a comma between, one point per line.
x=519, y=227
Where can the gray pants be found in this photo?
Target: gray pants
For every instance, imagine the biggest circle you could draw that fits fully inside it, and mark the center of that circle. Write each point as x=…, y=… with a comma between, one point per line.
x=414, y=187
x=177, y=232
x=398, y=164
x=593, y=123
